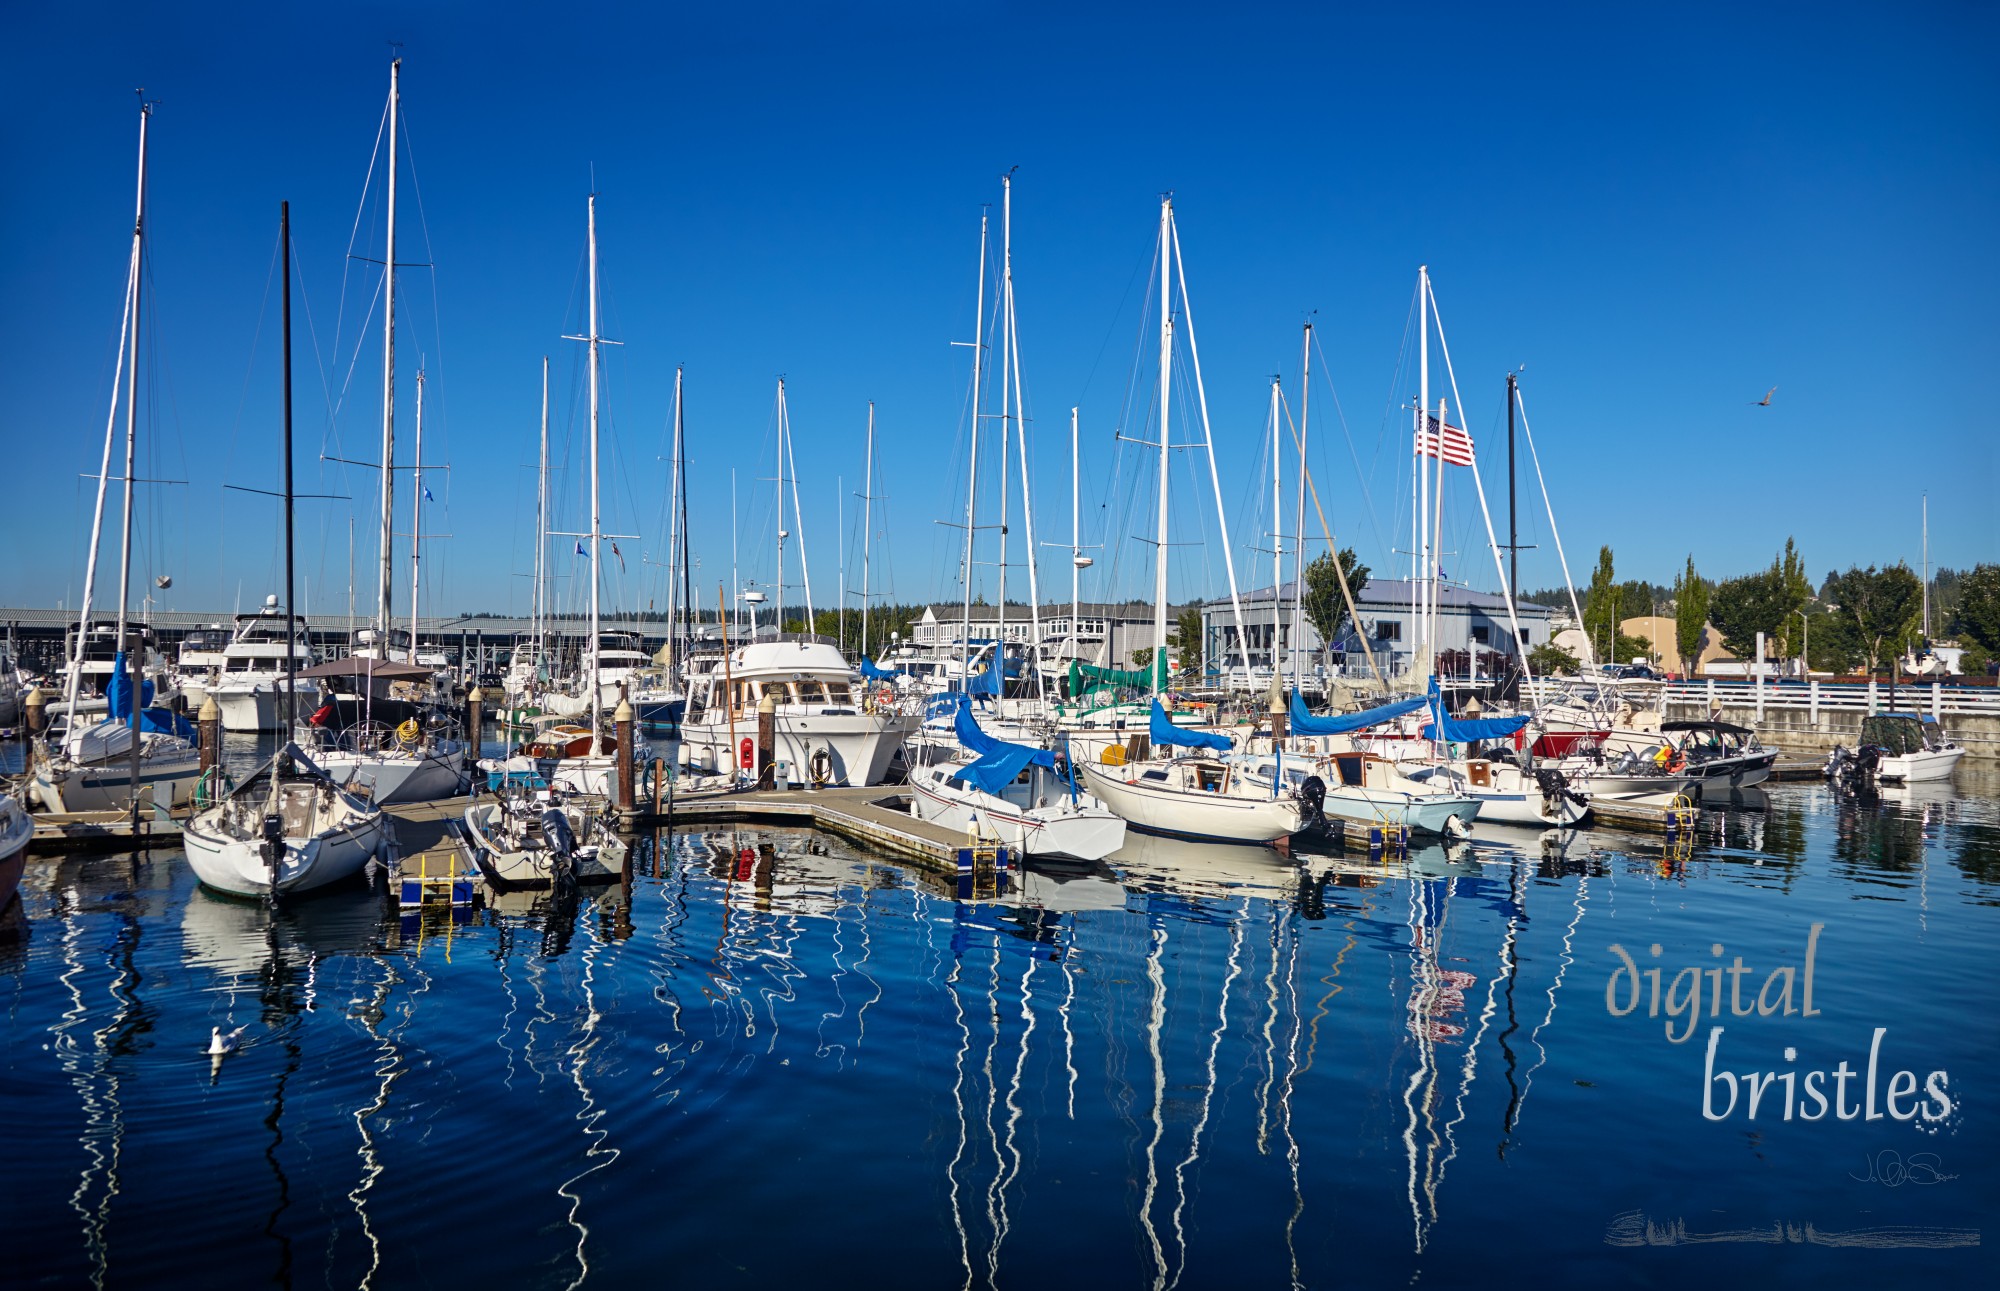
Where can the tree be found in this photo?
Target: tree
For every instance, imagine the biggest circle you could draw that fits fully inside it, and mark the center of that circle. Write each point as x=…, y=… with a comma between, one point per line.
x=1188, y=635
x=1977, y=614
x=1691, y=592
x=1796, y=589
x=1326, y=608
x=1601, y=605
x=1883, y=605
x=1742, y=607
x=1549, y=659
x=1142, y=658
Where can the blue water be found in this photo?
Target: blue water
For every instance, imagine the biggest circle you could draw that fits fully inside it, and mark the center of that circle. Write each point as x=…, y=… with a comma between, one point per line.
x=769, y=1059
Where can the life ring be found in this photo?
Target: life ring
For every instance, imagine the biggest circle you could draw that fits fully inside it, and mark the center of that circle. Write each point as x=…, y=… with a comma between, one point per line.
x=821, y=766
x=885, y=695
x=407, y=733
x=1676, y=763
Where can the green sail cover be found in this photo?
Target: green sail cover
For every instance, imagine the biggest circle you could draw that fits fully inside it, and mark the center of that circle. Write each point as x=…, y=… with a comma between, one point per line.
x=1084, y=678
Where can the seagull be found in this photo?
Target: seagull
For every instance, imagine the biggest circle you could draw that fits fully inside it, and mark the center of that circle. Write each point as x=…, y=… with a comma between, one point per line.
x=219, y=1044
x=1765, y=402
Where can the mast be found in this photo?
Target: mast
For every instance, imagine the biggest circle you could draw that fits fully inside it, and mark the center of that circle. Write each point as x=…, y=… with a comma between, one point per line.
x=1006, y=301
x=798, y=518
x=596, y=521
x=1075, y=537
x=540, y=624
x=1420, y=591
x=972, y=457
x=1021, y=437
x=867, y=521
x=1159, y=668
x=291, y=621
x=387, y=598
x=778, y=617
x=1277, y=534
x=135, y=671
x=1299, y=552
x=680, y=594
x=1927, y=568
x=1513, y=538
x=417, y=517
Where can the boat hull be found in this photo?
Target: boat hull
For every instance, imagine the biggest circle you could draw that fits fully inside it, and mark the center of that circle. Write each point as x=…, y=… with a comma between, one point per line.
x=1181, y=814
x=439, y=773
x=16, y=829
x=1419, y=813
x=257, y=708
x=1914, y=768
x=237, y=866
x=166, y=779
x=859, y=747
x=530, y=867
x=1082, y=833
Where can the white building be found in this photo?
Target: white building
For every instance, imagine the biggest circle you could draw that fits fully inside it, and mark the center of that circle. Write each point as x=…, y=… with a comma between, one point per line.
x=1467, y=622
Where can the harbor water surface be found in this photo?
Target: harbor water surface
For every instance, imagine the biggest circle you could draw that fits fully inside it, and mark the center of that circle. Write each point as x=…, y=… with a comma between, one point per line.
x=768, y=1059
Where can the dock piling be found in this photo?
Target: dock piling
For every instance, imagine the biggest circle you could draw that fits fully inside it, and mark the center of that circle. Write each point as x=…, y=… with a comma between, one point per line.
x=767, y=739
x=209, y=730
x=475, y=721
x=37, y=705
x=621, y=725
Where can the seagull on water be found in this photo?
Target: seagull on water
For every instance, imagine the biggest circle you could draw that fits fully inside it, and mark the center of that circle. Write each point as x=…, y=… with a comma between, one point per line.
x=219, y=1044
x=1765, y=402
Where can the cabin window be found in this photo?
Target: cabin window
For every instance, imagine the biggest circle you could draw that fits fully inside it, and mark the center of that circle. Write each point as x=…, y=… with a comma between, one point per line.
x=1208, y=778
x=736, y=694
x=1154, y=775
x=811, y=691
x=837, y=692
x=1350, y=769
x=777, y=690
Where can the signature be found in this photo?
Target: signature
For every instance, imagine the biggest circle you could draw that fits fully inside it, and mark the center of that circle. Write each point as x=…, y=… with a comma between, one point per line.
x=1891, y=1170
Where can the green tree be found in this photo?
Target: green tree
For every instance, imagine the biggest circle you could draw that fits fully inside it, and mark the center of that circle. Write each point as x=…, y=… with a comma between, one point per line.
x=1795, y=590
x=1549, y=659
x=1883, y=605
x=1326, y=608
x=1742, y=607
x=1977, y=613
x=1691, y=593
x=1188, y=635
x=1601, y=606
x=1142, y=658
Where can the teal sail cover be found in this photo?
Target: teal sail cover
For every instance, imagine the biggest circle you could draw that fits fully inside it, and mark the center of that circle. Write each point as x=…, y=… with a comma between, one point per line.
x=1304, y=723
x=995, y=762
x=1163, y=732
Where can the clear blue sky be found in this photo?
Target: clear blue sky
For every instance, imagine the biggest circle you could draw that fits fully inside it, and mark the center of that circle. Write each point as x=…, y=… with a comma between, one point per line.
x=1661, y=211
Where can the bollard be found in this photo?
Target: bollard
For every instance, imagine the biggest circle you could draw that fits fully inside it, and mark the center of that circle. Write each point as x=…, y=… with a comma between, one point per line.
x=209, y=729
x=37, y=705
x=475, y=722
x=621, y=725
x=767, y=737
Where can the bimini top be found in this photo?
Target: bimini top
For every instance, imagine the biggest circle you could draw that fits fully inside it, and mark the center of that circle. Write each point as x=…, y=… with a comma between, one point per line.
x=1720, y=728
x=363, y=666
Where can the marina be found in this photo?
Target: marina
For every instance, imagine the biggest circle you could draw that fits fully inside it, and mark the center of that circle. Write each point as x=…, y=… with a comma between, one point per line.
x=651, y=645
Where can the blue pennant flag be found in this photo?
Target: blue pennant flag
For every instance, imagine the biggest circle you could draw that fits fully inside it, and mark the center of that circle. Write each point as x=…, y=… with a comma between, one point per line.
x=579, y=548
x=427, y=494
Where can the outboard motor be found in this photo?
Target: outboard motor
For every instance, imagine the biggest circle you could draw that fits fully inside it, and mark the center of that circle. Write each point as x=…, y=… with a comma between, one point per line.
x=561, y=842
x=1555, y=787
x=1312, y=797
x=272, y=846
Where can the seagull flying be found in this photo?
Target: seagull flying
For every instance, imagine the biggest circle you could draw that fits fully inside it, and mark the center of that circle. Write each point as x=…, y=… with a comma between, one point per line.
x=1765, y=402
x=219, y=1044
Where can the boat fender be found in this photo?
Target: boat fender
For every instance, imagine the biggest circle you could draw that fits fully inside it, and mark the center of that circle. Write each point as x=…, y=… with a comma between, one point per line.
x=821, y=767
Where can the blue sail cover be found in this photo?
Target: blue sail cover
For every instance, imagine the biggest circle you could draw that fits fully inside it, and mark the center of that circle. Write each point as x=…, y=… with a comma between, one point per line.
x=873, y=672
x=995, y=762
x=1164, y=732
x=984, y=683
x=1304, y=723
x=118, y=695
x=1457, y=732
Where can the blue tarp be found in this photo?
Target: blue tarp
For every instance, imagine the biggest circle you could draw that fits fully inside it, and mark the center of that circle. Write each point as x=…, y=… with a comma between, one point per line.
x=162, y=721
x=995, y=762
x=984, y=683
x=1304, y=723
x=1457, y=732
x=872, y=672
x=118, y=695
x=1164, y=732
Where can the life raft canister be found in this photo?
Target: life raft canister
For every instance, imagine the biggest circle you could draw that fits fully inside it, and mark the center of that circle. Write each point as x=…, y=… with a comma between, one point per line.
x=746, y=754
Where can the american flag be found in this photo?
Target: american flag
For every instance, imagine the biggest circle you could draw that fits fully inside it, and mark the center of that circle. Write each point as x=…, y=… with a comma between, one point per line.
x=1453, y=445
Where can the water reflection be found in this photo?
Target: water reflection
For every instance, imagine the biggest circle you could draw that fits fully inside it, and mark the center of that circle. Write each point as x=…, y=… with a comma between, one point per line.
x=1187, y=1066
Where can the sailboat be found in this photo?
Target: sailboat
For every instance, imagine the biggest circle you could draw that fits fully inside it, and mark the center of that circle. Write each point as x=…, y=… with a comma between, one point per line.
x=288, y=827
x=1201, y=795
x=401, y=750
x=1014, y=792
x=135, y=750
x=16, y=829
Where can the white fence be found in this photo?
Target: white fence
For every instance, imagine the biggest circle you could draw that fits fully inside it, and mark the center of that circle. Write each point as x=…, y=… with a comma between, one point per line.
x=1936, y=698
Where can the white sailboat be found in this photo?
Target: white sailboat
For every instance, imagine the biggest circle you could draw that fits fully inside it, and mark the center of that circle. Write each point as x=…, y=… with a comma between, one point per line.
x=134, y=751
x=1016, y=793
x=1202, y=796
x=289, y=827
x=538, y=838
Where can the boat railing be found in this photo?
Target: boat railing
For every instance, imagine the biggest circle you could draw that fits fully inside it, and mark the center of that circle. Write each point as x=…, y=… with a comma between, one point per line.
x=1814, y=696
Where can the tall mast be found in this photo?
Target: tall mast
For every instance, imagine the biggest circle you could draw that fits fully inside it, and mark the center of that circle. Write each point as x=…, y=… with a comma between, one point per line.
x=1159, y=668
x=596, y=521
x=1075, y=537
x=131, y=441
x=542, y=531
x=387, y=599
x=1421, y=590
x=1299, y=551
x=677, y=590
x=417, y=517
x=867, y=521
x=1927, y=567
x=1513, y=538
x=972, y=457
x=291, y=620
x=778, y=610
x=1021, y=437
x=1006, y=410
x=1277, y=531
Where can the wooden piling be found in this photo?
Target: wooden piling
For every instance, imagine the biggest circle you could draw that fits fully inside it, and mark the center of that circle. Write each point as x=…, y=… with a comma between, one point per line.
x=767, y=740
x=37, y=706
x=475, y=722
x=208, y=729
x=621, y=726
